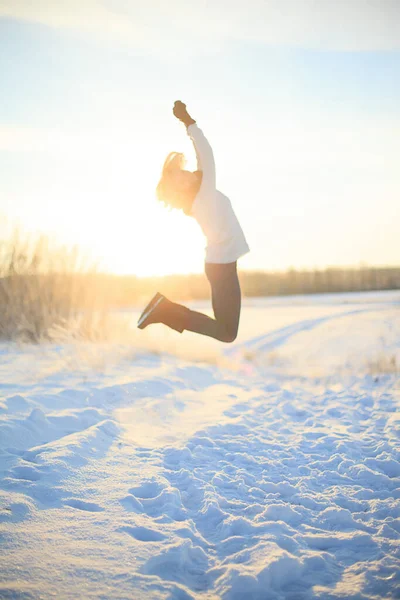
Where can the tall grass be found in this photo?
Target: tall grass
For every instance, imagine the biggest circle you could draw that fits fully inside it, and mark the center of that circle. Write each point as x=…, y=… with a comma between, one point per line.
x=47, y=289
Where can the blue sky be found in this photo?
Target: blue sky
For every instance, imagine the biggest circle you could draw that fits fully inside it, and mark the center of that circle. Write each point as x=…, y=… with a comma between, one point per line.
x=301, y=106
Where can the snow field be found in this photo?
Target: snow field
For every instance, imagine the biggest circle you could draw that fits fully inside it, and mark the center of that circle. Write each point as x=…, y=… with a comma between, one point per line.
x=278, y=478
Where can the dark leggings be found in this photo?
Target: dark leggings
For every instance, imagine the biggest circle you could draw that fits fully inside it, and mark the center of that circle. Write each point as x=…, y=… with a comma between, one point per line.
x=226, y=303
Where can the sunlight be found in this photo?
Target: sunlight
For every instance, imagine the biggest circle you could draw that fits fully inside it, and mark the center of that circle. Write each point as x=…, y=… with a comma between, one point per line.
x=164, y=243
x=144, y=237
x=106, y=201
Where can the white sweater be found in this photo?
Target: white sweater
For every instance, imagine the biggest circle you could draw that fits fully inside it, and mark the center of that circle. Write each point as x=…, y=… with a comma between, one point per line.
x=212, y=210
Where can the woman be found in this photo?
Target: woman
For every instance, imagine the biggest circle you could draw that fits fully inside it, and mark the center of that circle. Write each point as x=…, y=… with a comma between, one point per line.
x=196, y=194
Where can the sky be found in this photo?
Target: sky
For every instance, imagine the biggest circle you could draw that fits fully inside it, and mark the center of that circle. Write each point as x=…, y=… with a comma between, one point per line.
x=300, y=100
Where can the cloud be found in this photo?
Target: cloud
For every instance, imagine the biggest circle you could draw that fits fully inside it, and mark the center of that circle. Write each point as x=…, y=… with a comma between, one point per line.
x=92, y=17
x=205, y=25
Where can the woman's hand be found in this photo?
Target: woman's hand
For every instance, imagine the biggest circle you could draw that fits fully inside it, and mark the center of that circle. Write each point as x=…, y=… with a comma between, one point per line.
x=179, y=110
x=182, y=114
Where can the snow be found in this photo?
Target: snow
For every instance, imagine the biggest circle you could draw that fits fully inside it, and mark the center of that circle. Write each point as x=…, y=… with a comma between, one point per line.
x=173, y=467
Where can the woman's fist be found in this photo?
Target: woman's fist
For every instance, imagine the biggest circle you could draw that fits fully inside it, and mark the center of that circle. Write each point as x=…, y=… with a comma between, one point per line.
x=182, y=114
x=180, y=111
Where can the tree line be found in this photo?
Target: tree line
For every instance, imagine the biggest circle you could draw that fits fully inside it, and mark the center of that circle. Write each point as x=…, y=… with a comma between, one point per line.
x=128, y=290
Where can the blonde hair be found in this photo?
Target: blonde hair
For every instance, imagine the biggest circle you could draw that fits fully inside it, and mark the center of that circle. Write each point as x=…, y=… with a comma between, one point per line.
x=166, y=189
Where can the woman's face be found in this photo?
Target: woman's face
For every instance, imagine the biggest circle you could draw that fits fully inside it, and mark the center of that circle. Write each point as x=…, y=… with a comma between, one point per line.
x=179, y=188
x=186, y=186
x=186, y=181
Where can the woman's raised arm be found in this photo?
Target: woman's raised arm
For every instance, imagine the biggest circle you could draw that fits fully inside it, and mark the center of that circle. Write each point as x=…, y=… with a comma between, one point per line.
x=204, y=153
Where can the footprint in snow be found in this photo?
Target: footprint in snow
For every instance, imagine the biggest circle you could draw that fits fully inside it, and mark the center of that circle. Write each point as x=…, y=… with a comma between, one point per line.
x=16, y=511
x=150, y=489
x=26, y=473
x=82, y=505
x=142, y=534
x=155, y=500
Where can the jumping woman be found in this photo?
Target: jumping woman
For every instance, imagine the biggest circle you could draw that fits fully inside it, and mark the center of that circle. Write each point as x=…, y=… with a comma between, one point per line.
x=196, y=195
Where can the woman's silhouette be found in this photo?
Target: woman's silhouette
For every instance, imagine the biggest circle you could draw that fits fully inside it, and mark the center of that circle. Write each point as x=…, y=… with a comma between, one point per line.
x=196, y=194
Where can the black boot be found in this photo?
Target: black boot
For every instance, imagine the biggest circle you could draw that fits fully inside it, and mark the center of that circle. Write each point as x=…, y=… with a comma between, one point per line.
x=147, y=315
x=162, y=310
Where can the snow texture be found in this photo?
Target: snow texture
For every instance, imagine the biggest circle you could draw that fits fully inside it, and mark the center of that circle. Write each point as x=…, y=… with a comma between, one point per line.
x=265, y=470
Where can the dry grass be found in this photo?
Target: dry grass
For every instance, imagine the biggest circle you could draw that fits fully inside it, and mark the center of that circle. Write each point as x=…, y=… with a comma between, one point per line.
x=384, y=364
x=47, y=289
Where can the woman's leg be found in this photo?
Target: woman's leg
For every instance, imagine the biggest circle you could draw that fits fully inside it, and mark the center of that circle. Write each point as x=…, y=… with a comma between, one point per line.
x=226, y=303
x=226, y=297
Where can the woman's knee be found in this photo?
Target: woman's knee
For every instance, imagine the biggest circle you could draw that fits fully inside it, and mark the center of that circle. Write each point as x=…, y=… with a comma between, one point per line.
x=231, y=337
x=228, y=334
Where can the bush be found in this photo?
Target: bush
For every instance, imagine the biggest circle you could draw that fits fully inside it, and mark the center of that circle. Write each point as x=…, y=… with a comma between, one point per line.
x=46, y=289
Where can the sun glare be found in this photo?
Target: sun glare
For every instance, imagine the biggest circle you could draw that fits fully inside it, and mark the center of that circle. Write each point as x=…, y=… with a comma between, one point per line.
x=149, y=239
x=106, y=195
x=161, y=243
x=144, y=238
